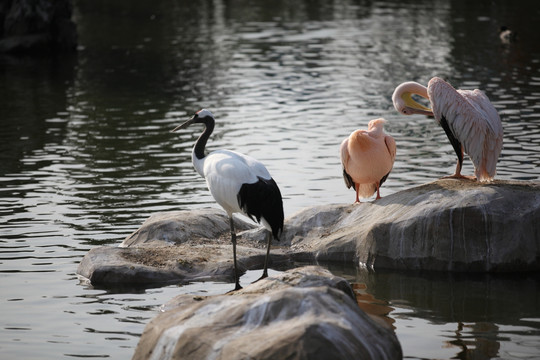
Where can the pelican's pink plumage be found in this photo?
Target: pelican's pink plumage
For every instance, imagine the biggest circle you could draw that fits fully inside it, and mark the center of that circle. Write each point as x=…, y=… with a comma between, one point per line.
x=367, y=157
x=469, y=119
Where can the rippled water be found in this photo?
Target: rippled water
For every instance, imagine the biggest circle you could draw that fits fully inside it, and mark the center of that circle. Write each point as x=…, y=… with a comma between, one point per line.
x=86, y=153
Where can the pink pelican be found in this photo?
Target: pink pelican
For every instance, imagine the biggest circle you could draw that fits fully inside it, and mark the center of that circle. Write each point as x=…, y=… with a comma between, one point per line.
x=468, y=118
x=367, y=157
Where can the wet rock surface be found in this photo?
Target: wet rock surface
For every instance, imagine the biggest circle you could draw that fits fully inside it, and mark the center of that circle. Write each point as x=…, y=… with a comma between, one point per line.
x=304, y=313
x=446, y=225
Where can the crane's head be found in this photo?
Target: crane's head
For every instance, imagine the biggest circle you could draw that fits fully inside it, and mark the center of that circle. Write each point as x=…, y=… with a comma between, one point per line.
x=201, y=117
x=404, y=102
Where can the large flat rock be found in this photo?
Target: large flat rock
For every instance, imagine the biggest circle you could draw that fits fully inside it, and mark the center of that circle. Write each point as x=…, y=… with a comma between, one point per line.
x=446, y=225
x=305, y=313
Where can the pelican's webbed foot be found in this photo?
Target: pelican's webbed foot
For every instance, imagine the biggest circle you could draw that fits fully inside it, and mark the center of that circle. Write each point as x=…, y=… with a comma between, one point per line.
x=459, y=176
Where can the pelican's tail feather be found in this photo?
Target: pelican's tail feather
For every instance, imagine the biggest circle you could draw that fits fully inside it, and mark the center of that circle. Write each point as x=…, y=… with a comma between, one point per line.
x=366, y=190
x=483, y=175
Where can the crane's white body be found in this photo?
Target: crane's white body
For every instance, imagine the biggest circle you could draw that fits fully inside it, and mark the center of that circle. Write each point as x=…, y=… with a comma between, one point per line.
x=225, y=172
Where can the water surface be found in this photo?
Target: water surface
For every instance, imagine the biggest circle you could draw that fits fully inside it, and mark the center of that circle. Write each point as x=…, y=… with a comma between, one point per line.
x=86, y=152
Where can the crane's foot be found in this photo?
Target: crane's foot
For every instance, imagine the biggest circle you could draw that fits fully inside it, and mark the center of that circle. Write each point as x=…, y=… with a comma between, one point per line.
x=264, y=276
x=236, y=288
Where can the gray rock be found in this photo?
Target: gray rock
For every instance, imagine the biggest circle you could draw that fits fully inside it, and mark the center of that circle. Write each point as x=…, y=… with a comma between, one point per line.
x=177, y=227
x=176, y=247
x=447, y=225
x=305, y=313
x=156, y=265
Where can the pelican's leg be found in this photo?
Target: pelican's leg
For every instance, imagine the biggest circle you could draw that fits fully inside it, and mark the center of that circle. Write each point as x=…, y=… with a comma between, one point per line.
x=457, y=148
x=457, y=173
x=380, y=184
x=378, y=193
x=459, y=164
x=233, y=240
x=357, y=198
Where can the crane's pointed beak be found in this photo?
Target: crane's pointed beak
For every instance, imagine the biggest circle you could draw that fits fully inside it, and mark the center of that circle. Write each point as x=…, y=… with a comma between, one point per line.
x=184, y=125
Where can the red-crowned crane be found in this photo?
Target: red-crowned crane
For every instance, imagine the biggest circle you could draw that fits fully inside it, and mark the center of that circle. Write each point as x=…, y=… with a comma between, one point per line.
x=367, y=157
x=239, y=183
x=468, y=118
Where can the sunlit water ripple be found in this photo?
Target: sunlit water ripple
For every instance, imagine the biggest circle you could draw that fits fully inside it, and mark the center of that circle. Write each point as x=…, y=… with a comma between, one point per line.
x=88, y=156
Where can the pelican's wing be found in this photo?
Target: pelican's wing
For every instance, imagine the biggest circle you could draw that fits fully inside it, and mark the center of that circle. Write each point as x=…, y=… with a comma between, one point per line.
x=344, y=153
x=494, y=132
x=473, y=121
x=391, y=146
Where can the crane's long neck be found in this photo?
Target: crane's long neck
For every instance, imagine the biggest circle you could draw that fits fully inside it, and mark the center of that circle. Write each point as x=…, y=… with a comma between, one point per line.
x=198, y=150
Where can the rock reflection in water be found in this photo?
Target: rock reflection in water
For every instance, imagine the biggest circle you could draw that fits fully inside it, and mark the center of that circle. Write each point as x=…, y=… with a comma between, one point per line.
x=472, y=314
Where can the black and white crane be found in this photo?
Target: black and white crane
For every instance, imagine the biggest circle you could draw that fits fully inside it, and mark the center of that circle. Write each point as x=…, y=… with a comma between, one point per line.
x=239, y=183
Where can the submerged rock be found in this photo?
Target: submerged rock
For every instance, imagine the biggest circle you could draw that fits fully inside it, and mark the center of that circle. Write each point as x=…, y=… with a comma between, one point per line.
x=305, y=313
x=449, y=225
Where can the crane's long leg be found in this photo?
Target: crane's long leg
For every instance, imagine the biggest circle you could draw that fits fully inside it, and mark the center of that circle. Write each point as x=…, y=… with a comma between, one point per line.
x=233, y=240
x=265, y=270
